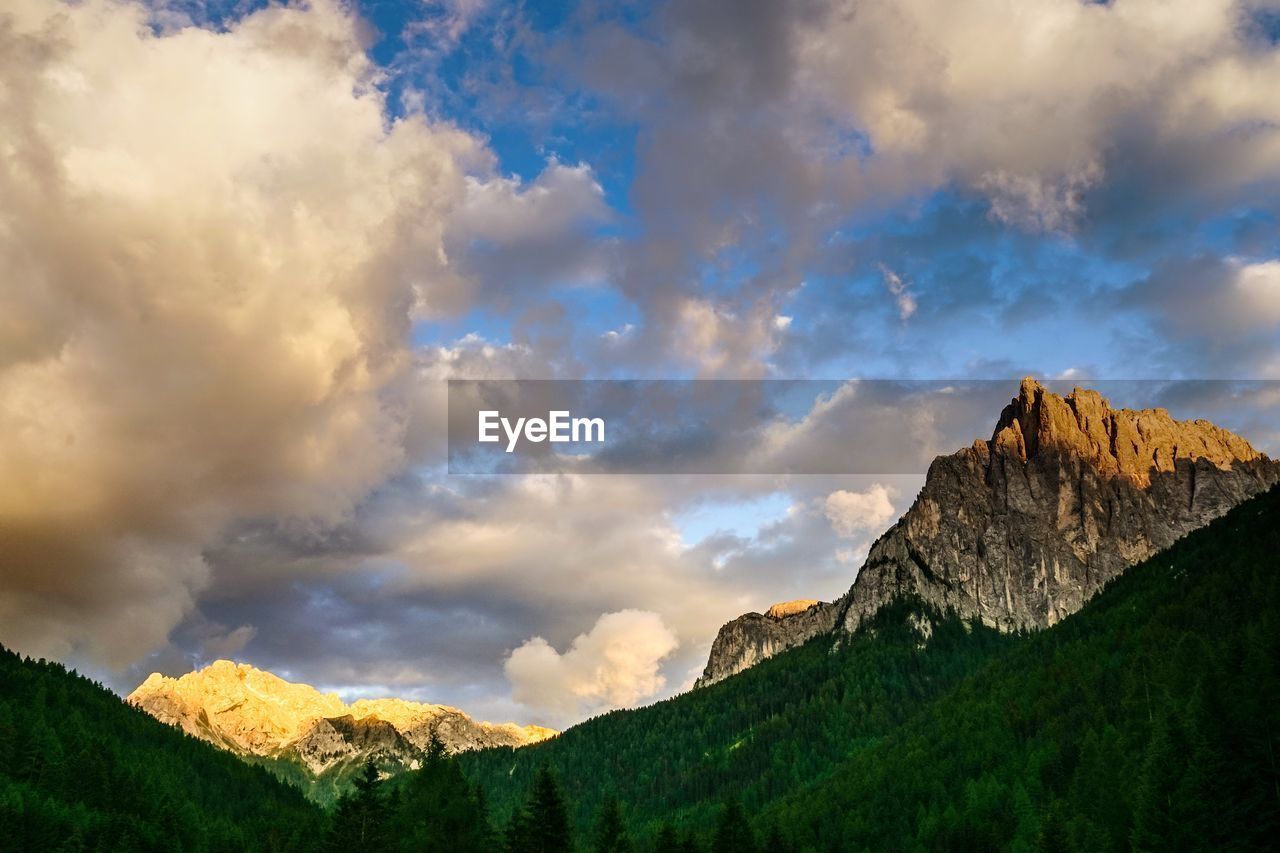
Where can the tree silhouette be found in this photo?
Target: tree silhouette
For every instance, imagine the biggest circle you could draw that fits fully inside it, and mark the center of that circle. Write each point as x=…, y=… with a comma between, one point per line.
x=542, y=826
x=611, y=833
x=733, y=833
x=438, y=809
x=360, y=820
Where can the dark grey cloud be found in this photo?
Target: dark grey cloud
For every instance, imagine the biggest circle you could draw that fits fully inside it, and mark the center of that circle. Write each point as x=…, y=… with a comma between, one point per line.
x=766, y=127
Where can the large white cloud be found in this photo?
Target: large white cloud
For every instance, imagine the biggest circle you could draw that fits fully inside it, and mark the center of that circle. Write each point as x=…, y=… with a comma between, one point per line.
x=614, y=665
x=213, y=245
x=1028, y=102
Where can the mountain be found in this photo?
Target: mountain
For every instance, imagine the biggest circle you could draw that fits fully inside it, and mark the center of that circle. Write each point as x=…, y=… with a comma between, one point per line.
x=1147, y=720
x=81, y=770
x=310, y=737
x=1020, y=530
x=753, y=637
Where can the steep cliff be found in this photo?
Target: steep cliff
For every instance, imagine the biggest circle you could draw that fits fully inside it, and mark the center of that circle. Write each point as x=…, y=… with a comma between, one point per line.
x=753, y=637
x=1021, y=529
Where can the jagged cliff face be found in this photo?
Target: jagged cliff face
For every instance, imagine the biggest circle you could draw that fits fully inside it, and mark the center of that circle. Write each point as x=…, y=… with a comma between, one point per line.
x=753, y=637
x=251, y=712
x=1021, y=530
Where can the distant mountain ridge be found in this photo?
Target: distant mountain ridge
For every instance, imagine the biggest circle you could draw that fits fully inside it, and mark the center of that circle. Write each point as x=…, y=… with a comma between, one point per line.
x=257, y=714
x=1022, y=529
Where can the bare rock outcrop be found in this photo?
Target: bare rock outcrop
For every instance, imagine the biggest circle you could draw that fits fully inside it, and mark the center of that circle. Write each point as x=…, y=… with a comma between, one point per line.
x=1020, y=530
x=753, y=637
x=255, y=713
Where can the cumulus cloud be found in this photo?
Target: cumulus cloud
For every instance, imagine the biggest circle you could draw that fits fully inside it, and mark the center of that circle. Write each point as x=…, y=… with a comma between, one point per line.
x=721, y=340
x=852, y=513
x=614, y=665
x=1211, y=316
x=879, y=427
x=1032, y=108
x=213, y=244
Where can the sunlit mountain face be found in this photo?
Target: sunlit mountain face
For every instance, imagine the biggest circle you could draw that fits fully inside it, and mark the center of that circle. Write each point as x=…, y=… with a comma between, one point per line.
x=246, y=246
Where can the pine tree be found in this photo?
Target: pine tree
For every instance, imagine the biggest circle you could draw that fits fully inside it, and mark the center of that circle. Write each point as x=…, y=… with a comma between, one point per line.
x=438, y=809
x=733, y=833
x=668, y=840
x=611, y=833
x=1152, y=826
x=360, y=821
x=775, y=841
x=542, y=826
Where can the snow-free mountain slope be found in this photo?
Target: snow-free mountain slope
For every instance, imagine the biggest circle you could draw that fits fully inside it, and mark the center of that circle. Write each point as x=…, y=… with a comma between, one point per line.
x=255, y=713
x=1020, y=530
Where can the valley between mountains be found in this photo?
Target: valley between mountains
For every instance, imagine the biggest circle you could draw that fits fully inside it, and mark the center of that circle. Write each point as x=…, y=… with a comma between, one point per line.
x=1070, y=641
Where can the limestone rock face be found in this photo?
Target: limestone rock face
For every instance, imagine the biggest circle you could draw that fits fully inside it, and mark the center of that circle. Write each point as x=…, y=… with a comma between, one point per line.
x=753, y=637
x=330, y=741
x=790, y=608
x=255, y=713
x=1022, y=529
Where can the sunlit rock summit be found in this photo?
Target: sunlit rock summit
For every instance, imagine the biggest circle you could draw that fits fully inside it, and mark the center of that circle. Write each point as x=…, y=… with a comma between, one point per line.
x=1020, y=530
x=753, y=637
x=257, y=714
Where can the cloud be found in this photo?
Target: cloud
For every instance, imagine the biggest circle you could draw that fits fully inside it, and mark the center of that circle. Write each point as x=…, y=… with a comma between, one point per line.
x=898, y=289
x=1217, y=298
x=879, y=427
x=721, y=341
x=214, y=241
x=768, y=130
x=1211, y=316
x=614, y=665
x=448, y=20
x=852, y=513
x=1076, y=89
x=508, y=235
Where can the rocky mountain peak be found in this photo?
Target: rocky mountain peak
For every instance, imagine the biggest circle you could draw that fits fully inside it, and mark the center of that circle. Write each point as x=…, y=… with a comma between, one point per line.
x=1135, y=444
x=252, y=712
x=1021, y=529
x=753, y=637
x=790, y=608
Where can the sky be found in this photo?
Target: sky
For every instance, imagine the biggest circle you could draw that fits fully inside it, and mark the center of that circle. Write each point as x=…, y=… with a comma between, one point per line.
x=244, y=245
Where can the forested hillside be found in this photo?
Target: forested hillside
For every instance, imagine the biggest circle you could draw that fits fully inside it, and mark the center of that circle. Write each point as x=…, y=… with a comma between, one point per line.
x=81, y=770
x=1147, y=720
x=1150, y=719
x=754, y=737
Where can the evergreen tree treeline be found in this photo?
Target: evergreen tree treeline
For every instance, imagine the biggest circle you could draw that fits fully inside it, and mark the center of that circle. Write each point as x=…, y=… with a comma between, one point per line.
x=82, y=771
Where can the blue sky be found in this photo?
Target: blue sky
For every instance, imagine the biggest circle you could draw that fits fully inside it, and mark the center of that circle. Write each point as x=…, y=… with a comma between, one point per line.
x=992, y=297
